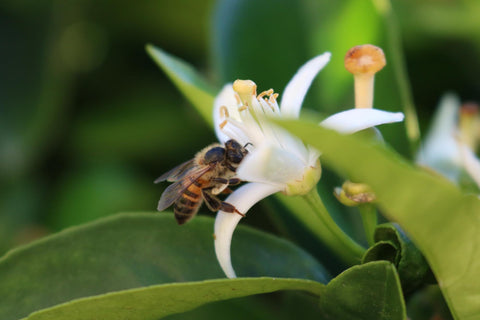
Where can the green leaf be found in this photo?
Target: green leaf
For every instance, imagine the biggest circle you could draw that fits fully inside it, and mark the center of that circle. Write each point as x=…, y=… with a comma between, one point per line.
x=158, y=301
x=411, y=265
x=441, y=221
x=369, y=291
x=382, y=250
x=132, y=251
x=184, y=76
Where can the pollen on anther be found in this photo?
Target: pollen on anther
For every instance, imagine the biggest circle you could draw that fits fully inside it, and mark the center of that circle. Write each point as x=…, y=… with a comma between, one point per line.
x=237, y=97
x=273, y=97
x=224, y=112
x=265, y=93
x=223, y=124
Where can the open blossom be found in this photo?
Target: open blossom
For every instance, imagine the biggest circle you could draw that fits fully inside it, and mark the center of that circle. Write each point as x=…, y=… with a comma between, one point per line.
x=277, y=161
x=449, y=146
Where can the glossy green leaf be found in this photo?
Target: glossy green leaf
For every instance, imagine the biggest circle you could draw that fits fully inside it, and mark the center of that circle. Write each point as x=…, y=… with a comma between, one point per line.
x=442, y=222
x=287, y=305
x=187, y=80
x=382, y=250
x=370, y=291
x=135, y=250
x=411, y=265
x=158, y=301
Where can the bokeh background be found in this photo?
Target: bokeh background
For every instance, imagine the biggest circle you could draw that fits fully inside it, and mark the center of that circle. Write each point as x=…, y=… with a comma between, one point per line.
x=88, y=121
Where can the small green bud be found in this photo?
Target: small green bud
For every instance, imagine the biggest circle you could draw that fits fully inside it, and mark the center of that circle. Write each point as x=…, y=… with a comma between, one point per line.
x=353, y=194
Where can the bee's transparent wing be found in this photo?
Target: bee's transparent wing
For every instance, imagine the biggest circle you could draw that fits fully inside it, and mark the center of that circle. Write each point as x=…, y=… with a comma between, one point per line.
x=176, y=173
x=176, y=189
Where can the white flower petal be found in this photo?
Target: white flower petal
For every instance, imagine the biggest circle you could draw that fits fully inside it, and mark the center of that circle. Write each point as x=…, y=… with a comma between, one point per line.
x=471, y=163
x=226, y=98
x=354, y=120
x=297, y=88
x=292, y=143
x=234, y=131
x=243, y=199
x=440, y=150
x=270, y=164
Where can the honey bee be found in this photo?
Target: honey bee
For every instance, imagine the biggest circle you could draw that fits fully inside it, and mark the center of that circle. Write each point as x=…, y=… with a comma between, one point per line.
x=205, y=176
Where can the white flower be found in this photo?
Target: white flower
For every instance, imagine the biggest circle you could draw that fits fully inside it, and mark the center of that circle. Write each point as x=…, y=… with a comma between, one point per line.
x=446, y=149
x=277, y=161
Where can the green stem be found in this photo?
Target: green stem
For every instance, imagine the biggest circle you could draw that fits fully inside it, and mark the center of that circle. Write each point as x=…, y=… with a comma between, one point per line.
x=332, y=235
x=397, y=60
x=369, y=219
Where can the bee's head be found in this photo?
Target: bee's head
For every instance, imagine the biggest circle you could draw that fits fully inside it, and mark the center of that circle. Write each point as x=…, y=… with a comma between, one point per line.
x=235, y=152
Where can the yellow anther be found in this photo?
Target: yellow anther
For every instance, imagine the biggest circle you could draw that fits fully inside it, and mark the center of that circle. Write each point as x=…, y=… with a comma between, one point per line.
x=273, y=98
x=237, y=98
x=242, y=108
x=223, y=124
x=224, y=112
x=265, y=93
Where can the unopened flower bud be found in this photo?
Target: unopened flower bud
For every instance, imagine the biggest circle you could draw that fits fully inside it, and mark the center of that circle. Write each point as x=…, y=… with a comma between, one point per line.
x=354, y=194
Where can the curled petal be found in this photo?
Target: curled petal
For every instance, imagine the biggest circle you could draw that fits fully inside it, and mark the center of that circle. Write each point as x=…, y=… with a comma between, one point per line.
x=297, y=88
x=243, y=199
x=354, y=120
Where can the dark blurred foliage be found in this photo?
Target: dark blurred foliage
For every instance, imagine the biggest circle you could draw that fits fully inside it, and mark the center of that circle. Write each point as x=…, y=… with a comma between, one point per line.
x=88, y=121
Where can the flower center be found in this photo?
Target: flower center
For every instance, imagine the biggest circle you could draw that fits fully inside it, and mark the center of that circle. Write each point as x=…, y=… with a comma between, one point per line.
x=244, y=117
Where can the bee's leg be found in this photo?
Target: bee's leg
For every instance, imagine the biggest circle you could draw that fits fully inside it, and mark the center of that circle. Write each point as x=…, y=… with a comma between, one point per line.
x=234, y=181
x=215, y=204
x=227, y=191
x=231, y=182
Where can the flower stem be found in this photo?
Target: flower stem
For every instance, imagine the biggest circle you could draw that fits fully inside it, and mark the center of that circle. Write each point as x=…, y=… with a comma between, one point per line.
x=397, y=60
x=369, y=219
x=332, y=235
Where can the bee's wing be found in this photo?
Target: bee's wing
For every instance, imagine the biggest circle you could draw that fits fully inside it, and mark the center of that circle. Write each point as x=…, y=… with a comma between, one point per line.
x=176, y=189
x=176, y=173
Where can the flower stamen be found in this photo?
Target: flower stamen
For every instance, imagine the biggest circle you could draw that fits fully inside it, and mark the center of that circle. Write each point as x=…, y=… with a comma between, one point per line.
x=223, y=124
x=265, y=93
x=363, y=62
x=224, y=112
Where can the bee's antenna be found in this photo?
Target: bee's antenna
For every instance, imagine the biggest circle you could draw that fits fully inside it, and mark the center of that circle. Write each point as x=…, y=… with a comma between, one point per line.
x=248, y=143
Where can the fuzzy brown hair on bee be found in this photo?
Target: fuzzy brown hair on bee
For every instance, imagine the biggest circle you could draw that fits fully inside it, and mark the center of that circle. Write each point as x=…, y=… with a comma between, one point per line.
x=208, y=174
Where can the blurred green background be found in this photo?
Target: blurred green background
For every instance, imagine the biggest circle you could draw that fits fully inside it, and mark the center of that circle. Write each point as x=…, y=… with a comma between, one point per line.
x=88, y=121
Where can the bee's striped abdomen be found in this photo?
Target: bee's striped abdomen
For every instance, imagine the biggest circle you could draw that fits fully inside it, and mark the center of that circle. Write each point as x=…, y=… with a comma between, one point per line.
x=188, y=204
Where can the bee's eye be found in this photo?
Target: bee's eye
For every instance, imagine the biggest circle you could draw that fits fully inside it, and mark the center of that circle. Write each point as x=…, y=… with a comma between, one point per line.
x=233, y=145
x=216, y=154
x=236, y=158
